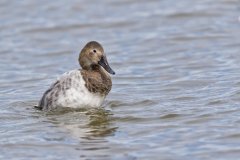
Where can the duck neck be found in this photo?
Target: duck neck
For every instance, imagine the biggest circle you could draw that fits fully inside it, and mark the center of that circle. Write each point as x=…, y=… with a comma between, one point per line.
x=94, y=67
x=97, y=80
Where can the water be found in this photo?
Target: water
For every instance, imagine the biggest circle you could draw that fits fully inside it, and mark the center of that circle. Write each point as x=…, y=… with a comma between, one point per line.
x=176, y=93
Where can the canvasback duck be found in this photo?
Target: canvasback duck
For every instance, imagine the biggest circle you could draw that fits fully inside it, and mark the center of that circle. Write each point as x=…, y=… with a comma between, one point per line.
x=86, y=87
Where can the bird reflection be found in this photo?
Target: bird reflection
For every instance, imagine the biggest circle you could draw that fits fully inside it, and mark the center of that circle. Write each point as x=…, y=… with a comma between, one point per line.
x=100, y=123
x=84, y=122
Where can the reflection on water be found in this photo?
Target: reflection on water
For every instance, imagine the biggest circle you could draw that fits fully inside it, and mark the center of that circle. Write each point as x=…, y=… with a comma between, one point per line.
x=176, y=93
x=83, y=122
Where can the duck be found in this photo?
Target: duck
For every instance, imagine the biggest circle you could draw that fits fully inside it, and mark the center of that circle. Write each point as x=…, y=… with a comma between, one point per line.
x=84, y=87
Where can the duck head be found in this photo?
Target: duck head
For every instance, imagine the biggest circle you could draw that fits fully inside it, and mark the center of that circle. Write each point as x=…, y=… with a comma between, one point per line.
x=92, y=56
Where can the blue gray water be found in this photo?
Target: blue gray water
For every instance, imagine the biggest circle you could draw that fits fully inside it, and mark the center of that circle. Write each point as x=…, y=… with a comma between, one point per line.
x=176, y=94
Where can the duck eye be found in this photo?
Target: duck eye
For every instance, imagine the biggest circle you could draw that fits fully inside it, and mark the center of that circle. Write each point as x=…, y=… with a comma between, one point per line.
x=94, y=51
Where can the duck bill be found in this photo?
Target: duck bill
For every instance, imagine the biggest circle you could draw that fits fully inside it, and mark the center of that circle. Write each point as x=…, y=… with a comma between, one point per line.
x=104, y=63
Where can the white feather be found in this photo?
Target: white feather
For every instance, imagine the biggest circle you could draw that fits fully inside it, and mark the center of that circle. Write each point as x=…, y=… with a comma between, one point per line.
x=76, y=95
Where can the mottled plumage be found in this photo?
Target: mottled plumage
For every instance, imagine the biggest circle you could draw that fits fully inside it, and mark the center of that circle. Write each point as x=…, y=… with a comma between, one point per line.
x=82, y=87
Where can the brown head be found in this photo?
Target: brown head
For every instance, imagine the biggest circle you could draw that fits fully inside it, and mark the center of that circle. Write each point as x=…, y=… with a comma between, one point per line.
x=93, y=56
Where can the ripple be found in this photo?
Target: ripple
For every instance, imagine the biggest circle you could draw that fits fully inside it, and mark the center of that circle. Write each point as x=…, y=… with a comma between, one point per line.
x=171, y=116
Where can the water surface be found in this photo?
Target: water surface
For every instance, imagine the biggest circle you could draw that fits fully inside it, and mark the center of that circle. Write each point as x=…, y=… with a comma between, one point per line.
x=176, y=93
